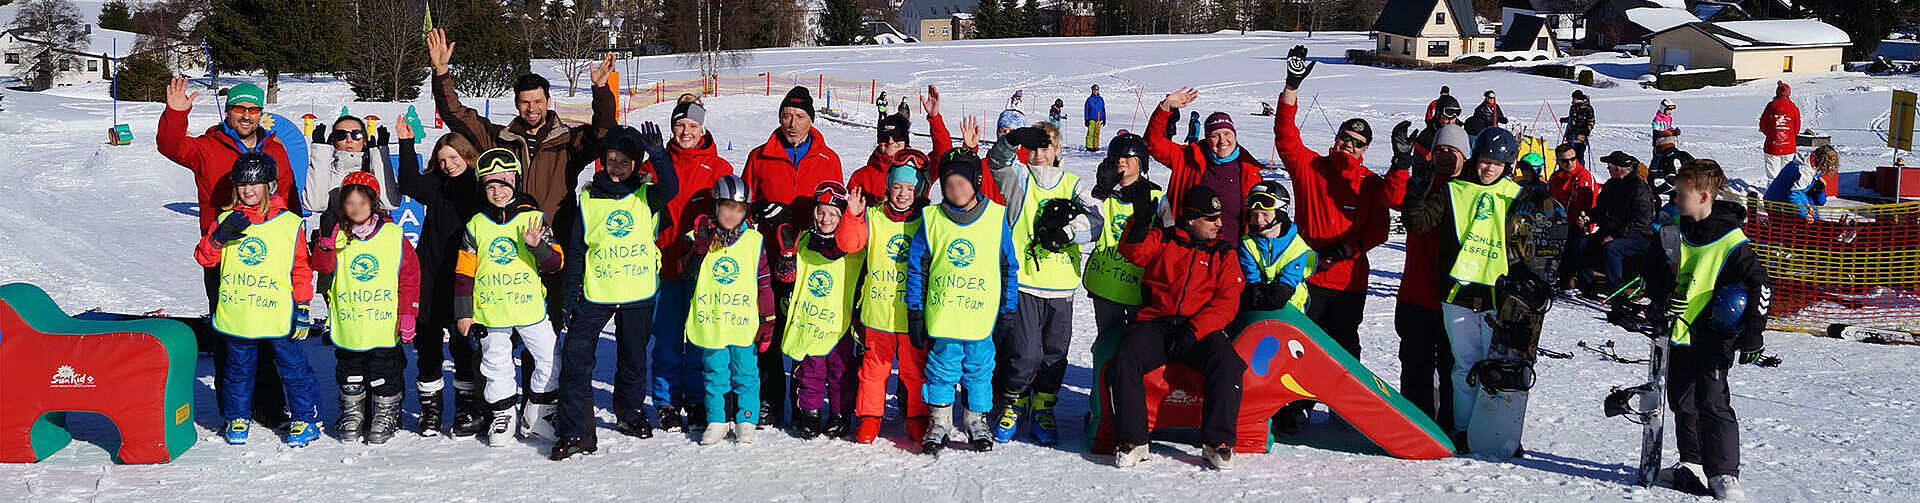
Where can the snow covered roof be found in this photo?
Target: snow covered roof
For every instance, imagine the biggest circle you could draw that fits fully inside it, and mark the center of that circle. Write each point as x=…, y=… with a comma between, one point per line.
x=99, y=41
x=1672, y=4
x=1770, y=33
x=1659, y=19
x=1410, y=17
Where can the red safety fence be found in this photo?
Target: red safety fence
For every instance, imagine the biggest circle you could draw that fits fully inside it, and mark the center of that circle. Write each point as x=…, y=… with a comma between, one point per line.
x=1858, y=265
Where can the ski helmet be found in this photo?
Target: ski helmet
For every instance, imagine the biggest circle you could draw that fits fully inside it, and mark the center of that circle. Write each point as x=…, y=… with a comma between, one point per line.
x=1269, y=195
x=254, y=167
x=1666, y=105
x=731, y=188
x=1496, y=144
x=498, y=165
x=1726, y=310
x=1129, y=145
x=625, y=139
x=363, y=179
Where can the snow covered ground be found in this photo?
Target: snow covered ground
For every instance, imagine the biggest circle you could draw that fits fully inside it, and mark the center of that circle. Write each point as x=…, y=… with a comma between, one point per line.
x=112, y=227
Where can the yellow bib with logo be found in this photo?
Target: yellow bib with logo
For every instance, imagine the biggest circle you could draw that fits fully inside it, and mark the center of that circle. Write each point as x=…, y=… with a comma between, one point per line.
x=1108, y=274
x=506, y=283
x=622, y=263
x=256, y=279
x=1295, y=248
x=883, y=302
x=1480, y=222
x=363, y=304
x=963, y=279
x=821, y=307
x=1040, y=268
x=725, y=311
x=1699, y=267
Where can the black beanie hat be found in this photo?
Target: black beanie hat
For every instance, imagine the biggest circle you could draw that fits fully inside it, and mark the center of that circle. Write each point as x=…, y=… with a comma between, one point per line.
x=798, y=97
x=1199, y=201
x=963, y=163
x=1360, y=127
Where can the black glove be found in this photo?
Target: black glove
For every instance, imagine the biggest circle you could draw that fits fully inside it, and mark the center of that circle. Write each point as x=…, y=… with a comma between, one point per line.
x=1297, y=66
x=231, y=228
x=1269, y=296
x=1659, y=324
x=1105, y=179
x=771, y=214
x=1335, y=253
x=917, y=330
x=1032, y=138
x=650, y=138
x=1753, y=357
x=1403, y=144
x=1180, y=337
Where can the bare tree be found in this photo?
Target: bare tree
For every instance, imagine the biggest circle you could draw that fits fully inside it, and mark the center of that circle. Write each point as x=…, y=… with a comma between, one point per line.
x=572, y=38
x=58, y=32
x=168, y=27
x=392, y=69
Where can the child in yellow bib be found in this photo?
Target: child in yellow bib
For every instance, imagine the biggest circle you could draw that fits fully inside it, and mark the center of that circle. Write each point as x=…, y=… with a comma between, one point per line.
x=373, y=300
x=731, y=314
x=819, y=317
x=497, y=284
x=265, y=286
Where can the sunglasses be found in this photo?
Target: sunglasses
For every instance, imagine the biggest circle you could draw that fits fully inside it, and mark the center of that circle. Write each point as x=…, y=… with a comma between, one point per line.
x=1568, y=160
x=347, y=134
x=1355, y=142
x=244, y=110
x=893, y=137
x=1212, y=219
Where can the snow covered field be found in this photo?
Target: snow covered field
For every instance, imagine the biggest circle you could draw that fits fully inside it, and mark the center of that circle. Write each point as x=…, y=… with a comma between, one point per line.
x=112, y=227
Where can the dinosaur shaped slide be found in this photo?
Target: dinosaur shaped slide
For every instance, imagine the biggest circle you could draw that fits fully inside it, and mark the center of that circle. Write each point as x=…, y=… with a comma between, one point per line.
x=137, y=373
x=1288, y=359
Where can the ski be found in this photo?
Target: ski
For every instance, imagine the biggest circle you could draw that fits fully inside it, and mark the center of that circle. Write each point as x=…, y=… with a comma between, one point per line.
x=1553, y=354
x=1608, y=351
x=1873, y=335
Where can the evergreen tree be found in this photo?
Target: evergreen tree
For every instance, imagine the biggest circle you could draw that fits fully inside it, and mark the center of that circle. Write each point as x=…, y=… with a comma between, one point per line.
x=841, y=23
x=115, y=15
x=489, y=54
x=276, y=37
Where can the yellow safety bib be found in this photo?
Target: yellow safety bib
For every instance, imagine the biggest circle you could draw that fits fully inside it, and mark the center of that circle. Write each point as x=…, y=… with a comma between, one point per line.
x=1295, y=249
x=726, y=297
x=1108, y=274
x=1040, y=268
x=1480, y=222
x=820, y=309
x=506, y=283
x=963, y=280
x=363, y=305
x=622, y=263
x=883, y=304
x=1699, y=267
x=256, y=279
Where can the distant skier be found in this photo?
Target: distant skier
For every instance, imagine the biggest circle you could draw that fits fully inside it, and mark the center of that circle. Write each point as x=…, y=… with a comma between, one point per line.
x=1780, y=123
x=1663, y=120
x=1487, y=115
x=1096, y=115
x=1580, y=123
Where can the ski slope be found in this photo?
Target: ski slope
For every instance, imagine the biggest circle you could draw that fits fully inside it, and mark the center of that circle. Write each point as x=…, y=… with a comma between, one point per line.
x=112, y=227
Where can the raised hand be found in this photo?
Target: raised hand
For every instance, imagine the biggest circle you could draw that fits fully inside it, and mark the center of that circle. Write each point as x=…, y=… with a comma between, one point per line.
x=1402, y=143
x=536, y=234
x=931, y=102
x=856, y=202
x=603, y=72
x=177, y=96
x=1180, y=98
x=404, y=130
x=970, y=132
x=1297, y=66
x=439, y=50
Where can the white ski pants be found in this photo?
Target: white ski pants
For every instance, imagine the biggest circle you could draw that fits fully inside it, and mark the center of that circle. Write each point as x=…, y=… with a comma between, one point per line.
x=1468, y=333
x=496, y=360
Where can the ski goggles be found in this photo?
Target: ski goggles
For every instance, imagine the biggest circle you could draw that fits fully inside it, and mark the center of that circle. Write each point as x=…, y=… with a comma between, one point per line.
x=244, y=110
x=1450, y=112
x=1265, y=201
x=340, y=135
x=831, y=194
x=899, y=136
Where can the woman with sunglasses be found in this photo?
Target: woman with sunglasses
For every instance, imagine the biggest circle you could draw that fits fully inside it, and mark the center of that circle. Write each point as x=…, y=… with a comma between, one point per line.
x=331, y=158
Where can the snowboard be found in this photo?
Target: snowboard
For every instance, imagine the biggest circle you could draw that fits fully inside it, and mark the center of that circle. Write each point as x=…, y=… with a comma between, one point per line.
x=1871, y=334
x=1538, y=229
x=1651, y=415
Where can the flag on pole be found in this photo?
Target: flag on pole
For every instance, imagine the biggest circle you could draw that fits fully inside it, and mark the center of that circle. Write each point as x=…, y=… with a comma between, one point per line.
x=426, y=23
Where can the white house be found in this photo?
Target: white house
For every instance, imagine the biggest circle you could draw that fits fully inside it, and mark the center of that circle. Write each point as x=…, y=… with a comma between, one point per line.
x=1753, y=49
x=1429, y=31
x=90, y=63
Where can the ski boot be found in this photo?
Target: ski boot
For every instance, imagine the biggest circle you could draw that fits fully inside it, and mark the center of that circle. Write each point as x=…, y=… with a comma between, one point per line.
x=567, y=447
x=1044, y=429
x=538, y=413
x=1220, y=456
x=808, y=423
x=694, y=413
x=670, y=419
x=979, y=431
x=1690, y=478
x=386, y=418
x=301, y=433
x=868, y=431
x=1013, y=405
x=743, y=432
x=430, y=412
x=1127, y=455
x=500, y=428
x=636, y=427
x=236, y=432
x=714, y=434
x=1291, y=416
x=1727, y=488
x=353, y=413
x=940, y=423
x=837, y=426
x=767, y=417
x=469, y=417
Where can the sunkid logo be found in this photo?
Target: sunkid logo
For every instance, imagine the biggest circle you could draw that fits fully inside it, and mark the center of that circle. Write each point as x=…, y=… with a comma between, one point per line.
x=253, y=251
x=819, y=283
x=619, y=223
x=364, y=267
x=960, y=253
x=726, y=270
x=897, y=248
x=66, y=377
x=1120, y=222
x=502, y=250
x=1483, y=207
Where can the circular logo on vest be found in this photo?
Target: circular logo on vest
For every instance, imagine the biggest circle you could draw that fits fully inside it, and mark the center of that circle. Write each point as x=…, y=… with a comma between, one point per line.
x=1120, y=224
x=897, y=248
x=960, y=253
x=364, y=267
x=619, y=223
x=819, y=283
x=502, y=250
x=253, y=251
x=1483, y=207
x=726, y=270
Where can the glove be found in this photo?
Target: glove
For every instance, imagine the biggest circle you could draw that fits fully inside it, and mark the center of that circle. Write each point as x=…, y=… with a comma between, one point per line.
x=1673, y=131
x=917, y=330
x=1659, y=325
x=1105, y=179
x=302, y=320
x=1180, y=338
x=1403, y=144
x=1753, y=357
x=1335, y=253
x=1030, y=137
x=1297, y=66
x=785, y=266
x=1138, y=195
x=703, y=231
x=407, y=329
x=771, y=214
x=231, y=228
x=1269, y=296
x=650, y=138
x=764, y=339
x=325, y=244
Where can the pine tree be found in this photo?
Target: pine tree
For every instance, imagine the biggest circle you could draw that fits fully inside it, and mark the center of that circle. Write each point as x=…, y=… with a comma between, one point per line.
x=276, y=37
x=488, y=54
x=115, y=15
x=841, y=23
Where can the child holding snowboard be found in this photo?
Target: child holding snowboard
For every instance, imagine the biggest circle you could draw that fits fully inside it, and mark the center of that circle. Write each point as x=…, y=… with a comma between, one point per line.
x=819, y=313
x=497, y=284
x=373, y=303
x=732, y=312
x=265, y=289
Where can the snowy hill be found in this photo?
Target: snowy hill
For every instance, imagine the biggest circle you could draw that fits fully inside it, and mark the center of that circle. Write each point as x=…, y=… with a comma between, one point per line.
x=97, y=225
